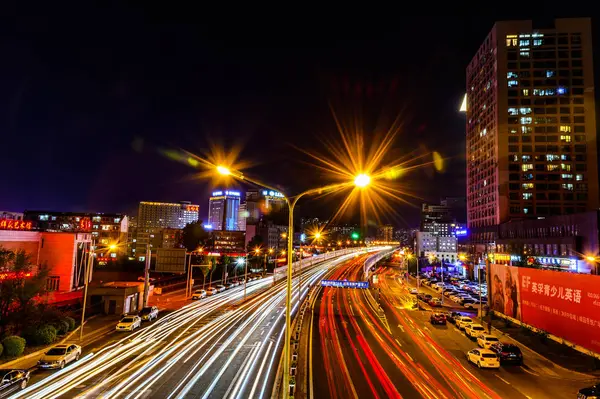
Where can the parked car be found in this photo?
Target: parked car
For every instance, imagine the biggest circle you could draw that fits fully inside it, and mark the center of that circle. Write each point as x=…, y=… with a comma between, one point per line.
x=483, y=358
x=199, y=294
x=474, y=330
x=508, y=353
x=413, y=291
x=486, y=340
x=463, y=321
x=471, y=304
x=592, y=392
x=437, y=318
x=435, y=302
x=149, y=313
x=451, y=317
x=221, y=288
x=229, y=285
x=59, y=355
x=129, y=323
x=210, y=291
x=13, y=380
x=421, y=296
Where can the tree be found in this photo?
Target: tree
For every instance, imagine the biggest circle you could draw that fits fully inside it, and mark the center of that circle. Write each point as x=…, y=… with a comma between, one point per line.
x=194, y=236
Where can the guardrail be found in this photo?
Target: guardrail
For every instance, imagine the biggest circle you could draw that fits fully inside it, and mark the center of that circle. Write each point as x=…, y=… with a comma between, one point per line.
x=374, y=259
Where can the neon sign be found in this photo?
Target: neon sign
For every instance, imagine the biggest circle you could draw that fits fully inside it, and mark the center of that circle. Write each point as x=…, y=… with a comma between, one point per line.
x=461, y=232
x=234, y=193
x=272, y=193
x=192, y=208
x=14, y=225
x=217, y=193
x=14, y=275
x=85, y=224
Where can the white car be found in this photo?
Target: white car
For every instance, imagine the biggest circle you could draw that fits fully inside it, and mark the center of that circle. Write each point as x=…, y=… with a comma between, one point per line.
x=129, y=323
x=474, y=330
x=221, y=288
x=483, y=358
x=413, y=291
x=471, y=305
x=463, y=321
x=199, y=294
x=487, y=340
x=60, y=355
x=211, y=291
x=149, y=313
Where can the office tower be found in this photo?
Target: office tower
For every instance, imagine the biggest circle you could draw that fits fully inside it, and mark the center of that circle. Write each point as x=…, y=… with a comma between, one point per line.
x=242, y=216
x=531, y=126
x=385, y=233
x=223, y=209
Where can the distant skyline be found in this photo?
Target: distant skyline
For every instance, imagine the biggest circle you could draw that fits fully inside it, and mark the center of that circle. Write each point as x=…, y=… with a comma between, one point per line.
x=87, y=103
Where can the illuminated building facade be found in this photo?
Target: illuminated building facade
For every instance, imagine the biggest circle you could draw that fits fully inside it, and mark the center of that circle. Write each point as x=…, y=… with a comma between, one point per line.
x=223, y=210
x=155, y=219
x=385, y=233
x=531, y=126
x=262, y=202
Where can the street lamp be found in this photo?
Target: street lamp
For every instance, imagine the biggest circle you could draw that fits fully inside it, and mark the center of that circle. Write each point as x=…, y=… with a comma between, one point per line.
x=362, y=180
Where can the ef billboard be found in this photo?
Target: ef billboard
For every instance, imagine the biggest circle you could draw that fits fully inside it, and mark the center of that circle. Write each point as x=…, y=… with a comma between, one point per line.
x=564, y=304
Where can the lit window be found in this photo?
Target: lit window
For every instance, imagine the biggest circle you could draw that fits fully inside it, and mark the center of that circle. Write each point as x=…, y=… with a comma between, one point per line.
x=527, y=166
x=525, y=92
x=565, y=128
x=511, y=75
x=550, y=73
x=537, y=42
x=512, y=111
x=113, y=255
x=567, y=186
x=525, y=210
x=526, y=158
x=552, y=168
x=524, y=43
x=526, y=120
x=513, y=83
x=527, y=186
x=560, y=91
x=526, y=129
x=483, y=133
x=524, y=53
x=43, y=217
x=513, y=130
x=579, y=177
x=565, y=157
x=566, y=139
x=117, y=220
x=565, y=166
x=527, y=196
x=537, y=34
x=525, y=111
x=567, y=176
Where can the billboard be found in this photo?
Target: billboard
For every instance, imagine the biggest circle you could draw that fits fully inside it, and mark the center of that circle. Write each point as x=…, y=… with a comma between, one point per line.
x=564, y=304
x=345, y=284
x=170, y=260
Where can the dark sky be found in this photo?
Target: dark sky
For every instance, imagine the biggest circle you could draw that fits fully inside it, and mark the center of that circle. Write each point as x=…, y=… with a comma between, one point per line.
x=88, y=96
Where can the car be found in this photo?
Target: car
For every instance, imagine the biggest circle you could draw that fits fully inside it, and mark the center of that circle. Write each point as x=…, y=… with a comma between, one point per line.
x=463, y=321
x=483, y=358
x=471, y=305
x=508, y=353
x=210, y=291
x=437, y=318
x=435, y=302
x=148, y=313
x=59, y=355
x=451, y=317
x=199, y=294
x=474, y=330
x=428, y=297
x=221, y=288
x=129, y=323
x=487, y=340
x=13, y=380
x=421, y=296
x=592, y=392
x=229, y=285
x=413, y=291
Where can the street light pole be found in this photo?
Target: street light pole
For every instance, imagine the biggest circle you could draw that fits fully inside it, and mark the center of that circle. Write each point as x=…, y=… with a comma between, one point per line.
x=245, y=275
x=146, y=276
x=88, y=266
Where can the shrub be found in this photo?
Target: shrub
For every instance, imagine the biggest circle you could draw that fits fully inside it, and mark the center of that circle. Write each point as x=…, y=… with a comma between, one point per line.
x=42, y=335
x=70, y=321
x=13, y=346
x=62, y=327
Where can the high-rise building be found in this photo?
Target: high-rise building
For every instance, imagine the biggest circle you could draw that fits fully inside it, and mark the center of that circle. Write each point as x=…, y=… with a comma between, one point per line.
x=385, y=233
x=242, y=216
x=531, y=125
x=223, y=210
x=156, y=217
x=262, y=202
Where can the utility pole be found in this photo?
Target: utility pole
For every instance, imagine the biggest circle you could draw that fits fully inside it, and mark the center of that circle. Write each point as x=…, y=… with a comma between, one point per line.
x=88, y=267
x=146, y=276
x=188, y=285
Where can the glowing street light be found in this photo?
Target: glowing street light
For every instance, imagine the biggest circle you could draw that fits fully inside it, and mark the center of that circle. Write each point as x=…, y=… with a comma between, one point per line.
x=362, y=180
x=223, y=171
x=591, y=258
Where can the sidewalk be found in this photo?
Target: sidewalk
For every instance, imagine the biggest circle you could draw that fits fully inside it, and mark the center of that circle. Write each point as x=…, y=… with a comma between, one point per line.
x=94, y=329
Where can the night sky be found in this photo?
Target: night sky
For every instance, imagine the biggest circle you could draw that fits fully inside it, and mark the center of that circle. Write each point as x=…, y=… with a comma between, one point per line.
x=89, y=96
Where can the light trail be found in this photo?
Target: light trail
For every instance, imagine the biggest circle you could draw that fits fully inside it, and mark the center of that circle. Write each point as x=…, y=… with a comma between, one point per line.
x=199, y=350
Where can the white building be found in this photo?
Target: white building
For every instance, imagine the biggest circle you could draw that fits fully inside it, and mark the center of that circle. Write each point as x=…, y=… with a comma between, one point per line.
x=443, y=248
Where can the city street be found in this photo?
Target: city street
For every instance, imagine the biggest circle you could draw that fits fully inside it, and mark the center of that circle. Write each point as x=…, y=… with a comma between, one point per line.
x=357, y=352
x=217, y=347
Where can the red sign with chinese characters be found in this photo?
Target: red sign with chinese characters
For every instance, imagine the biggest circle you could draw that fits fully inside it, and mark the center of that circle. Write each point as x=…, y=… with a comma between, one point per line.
x=192, y=208
x=85, y=224
x=564, y=304
x=14, y=275
x=6, y=224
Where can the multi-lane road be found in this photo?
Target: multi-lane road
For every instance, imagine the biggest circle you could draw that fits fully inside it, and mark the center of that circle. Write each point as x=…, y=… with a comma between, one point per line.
x=361, y=352
x=217, y=347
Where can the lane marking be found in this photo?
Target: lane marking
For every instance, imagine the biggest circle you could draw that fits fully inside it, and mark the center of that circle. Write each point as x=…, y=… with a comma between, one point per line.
x=400, y=327
x=398, y=342
x=502, y=379
x=409, y=356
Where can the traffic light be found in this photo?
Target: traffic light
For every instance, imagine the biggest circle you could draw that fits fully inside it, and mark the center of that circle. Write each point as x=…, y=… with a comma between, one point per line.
x=355, y=235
